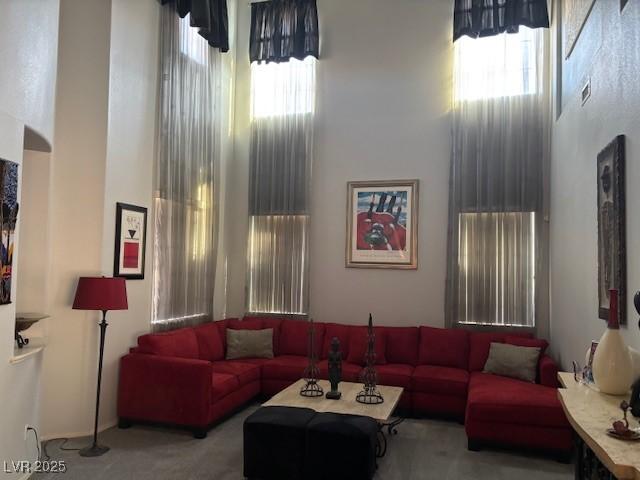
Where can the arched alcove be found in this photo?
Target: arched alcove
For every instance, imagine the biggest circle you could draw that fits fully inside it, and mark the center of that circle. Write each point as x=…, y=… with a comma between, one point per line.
x=32, y=279
x=33, y=140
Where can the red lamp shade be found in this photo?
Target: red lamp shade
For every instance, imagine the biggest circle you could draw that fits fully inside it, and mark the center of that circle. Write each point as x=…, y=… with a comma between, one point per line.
x=101, y=293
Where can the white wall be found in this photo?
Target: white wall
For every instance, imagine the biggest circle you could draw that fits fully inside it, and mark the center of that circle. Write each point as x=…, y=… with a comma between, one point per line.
x=226, y=188
x=103, y=154
x=33, y=289
x=77, y=196
x=383, y=101
x=608, y=52
x=28, y=55
x=133, y=82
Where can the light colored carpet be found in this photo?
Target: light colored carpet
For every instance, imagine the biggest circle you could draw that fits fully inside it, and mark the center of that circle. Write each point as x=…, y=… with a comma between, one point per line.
x=422, y=450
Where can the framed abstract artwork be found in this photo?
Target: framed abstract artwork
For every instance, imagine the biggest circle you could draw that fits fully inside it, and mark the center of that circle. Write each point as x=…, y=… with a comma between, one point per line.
x=382, y=224
x=612, y=257
x=9, y=198
x=130, y=244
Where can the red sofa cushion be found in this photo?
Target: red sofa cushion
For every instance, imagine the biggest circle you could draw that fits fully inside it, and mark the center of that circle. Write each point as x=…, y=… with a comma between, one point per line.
x=294, y=337
x=245, y=372
x=350, y=371
x=285, y=367
x=268, y=322
x=506, y=400
x=222, y=384
x=528, y=342
x=548, y=372
x=247, y=323
x=358, y=345
x=480, y=344
x=395, y=375
x=210, y=344
x=222, y=328
x=444, y=347
x=332, y=330
x=441, y=380
x=181, y=343
x=402, y=345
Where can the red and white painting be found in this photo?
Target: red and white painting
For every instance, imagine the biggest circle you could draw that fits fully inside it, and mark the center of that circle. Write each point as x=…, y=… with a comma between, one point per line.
x=382, y=221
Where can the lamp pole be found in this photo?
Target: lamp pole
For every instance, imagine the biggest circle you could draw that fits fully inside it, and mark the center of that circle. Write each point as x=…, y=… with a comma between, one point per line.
x=96, y=450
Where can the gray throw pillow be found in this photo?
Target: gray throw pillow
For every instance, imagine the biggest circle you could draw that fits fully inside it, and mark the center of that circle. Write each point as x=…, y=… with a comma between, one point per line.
x=512, y=361
x=249, y=343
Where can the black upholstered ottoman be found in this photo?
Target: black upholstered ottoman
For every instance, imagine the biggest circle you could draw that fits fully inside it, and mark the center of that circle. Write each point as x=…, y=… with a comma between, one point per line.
x=274, y=443
x=341, y=447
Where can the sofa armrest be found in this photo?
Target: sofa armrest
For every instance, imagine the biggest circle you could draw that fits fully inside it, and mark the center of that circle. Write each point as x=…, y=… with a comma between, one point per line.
x=165, y=389
x=548, y=371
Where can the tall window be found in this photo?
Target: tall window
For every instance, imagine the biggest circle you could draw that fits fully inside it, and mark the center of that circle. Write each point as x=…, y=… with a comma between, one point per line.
x=500, y=148
x=282, y=111
x=185, y=197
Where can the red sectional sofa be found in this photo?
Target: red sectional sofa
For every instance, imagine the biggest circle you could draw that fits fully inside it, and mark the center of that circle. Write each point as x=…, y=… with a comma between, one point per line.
x=182, y=378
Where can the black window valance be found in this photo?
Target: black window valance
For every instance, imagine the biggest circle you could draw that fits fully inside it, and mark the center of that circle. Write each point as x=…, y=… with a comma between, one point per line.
x=210, y=17
x=483, y=18
x=284, y=29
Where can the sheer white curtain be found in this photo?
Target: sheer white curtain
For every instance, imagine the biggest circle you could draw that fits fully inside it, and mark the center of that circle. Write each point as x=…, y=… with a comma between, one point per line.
x=186, y=175
x=500, y=155
x=282, y=113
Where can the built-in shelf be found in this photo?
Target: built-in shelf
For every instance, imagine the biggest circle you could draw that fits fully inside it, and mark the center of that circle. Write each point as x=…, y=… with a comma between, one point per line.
x=21, y=354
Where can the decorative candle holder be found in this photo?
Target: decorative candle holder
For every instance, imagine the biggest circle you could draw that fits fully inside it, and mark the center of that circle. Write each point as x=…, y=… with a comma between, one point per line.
x=311, y=373
x=370, y=394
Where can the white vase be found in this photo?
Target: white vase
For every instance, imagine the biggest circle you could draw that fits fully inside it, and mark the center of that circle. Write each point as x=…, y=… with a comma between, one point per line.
x=612, y=367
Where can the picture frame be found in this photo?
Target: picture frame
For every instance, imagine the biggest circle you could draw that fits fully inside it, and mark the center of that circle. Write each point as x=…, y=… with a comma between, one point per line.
x=8, y=221
x=130, y=242
x=612, y=258
x=382, y=224
x=574, y=17
x=587, y=373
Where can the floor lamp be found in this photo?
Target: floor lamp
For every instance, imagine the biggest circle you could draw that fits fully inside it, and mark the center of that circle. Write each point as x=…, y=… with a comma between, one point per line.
x=102, y=294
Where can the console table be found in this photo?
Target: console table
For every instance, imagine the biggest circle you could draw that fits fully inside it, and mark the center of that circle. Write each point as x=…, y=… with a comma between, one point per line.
x=590, y=413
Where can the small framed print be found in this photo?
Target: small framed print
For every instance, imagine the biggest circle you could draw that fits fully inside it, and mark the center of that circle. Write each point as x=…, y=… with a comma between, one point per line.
x=382, y=224
x=130, y=244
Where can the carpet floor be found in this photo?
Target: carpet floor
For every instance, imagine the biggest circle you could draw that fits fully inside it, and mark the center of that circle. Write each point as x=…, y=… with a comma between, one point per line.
x=422, y=450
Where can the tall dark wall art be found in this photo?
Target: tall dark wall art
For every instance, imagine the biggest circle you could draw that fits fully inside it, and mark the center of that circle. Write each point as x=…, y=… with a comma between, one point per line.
x=612, y=255
x=9, y=195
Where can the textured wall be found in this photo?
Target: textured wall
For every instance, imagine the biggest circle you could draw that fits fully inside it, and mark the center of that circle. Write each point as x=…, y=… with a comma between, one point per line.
x=77, y=209
x=133, y=81
x=609, y=53
x=28, y=55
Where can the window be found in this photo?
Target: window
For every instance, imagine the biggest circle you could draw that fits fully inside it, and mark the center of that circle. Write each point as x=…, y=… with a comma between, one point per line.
x=192, y=45
x=280, y=89
x=497, y=268
x=499, y=66
x=496, y=273
x=184, y=254
x=282, y=111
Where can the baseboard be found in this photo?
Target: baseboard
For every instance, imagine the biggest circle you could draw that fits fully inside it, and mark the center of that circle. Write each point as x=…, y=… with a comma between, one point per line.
x=101, y=428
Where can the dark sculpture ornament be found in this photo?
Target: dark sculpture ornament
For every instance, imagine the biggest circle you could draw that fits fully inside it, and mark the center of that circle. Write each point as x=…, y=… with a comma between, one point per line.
x=311, y=373
x=335, y=369
x=370, y=394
